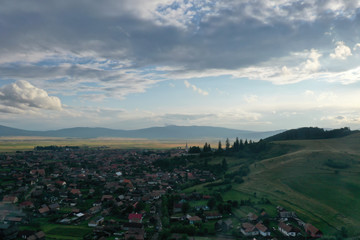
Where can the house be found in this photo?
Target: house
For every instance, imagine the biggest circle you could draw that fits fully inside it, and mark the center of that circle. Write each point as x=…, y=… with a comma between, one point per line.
x=60, y=183
x=96, y=221
x=10, y=199
x=37, y=236
x=14, y=220
x=132, y=225
x=135, y=217
x=40, y=172
x=194, y=219
x=285, y=215
x=152, y=210
x=54, y=207
x=177, y=207
x=44, y=210
x=26, y=204
x=249, y=229
x=135, y=234
x=75, y=191
x=107, y=198
x=252, y=217
x=212, y=215
x=263, y=230
x=288, y=230
x=24, y=234
x=312, y=231
x=202, y=207
x=224, y=225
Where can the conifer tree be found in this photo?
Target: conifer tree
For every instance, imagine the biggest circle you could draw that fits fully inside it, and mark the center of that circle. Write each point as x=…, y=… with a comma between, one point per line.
x=227, y=145
x=220, y=147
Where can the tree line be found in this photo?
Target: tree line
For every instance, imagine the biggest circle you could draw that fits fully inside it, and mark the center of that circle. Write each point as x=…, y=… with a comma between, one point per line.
x=237, y=146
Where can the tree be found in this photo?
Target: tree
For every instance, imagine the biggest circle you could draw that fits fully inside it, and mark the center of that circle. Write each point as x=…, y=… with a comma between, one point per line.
x=185, y=208
x=236, y=145
x=140, y=206
x=241, y=144
x=194, y=149
x=211, y=203
x=207, y=148
x=227, y=145
x=220, y=147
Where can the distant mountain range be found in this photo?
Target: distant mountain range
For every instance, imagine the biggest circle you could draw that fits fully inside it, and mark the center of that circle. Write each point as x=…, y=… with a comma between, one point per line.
x=168, y=132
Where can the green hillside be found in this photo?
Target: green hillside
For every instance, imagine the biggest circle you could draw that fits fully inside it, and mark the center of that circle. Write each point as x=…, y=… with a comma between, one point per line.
x=318, y=179
x=327, y=195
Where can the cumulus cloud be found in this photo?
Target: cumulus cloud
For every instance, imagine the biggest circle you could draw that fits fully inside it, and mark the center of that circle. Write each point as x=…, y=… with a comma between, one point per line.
x=341, y=51
x=22, y=95
x=195, y=88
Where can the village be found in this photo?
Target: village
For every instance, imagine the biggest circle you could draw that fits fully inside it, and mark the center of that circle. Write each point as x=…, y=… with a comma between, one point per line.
x=101, y=193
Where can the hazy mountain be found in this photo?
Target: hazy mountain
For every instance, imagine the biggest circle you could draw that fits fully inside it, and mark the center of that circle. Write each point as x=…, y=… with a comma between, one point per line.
x=168, y=132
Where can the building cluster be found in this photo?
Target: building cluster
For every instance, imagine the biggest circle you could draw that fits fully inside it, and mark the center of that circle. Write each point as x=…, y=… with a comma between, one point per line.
x=110, y=190
x=287, y=223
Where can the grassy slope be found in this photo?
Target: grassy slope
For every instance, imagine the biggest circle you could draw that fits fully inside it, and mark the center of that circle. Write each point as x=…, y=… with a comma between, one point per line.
x=300, y=181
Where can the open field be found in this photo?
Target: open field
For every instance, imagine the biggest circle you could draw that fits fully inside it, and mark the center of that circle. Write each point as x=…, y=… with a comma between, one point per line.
x=11, y=144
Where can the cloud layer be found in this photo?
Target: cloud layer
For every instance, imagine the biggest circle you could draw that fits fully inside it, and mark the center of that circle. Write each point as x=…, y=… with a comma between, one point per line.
x=105, y=52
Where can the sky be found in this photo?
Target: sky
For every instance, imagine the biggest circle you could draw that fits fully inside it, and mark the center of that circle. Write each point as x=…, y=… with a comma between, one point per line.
x=128, y=64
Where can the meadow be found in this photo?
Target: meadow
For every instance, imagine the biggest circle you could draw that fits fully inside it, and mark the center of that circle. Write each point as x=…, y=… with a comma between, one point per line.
x=12, y=144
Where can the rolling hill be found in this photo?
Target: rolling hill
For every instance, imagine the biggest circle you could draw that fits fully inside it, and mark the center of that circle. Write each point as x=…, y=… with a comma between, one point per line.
x=319, y=179
x=325, y=194
x=310, y=133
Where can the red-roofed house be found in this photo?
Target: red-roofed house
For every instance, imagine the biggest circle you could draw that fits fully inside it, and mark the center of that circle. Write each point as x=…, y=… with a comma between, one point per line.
x=287, y=230
x=263, y=230
x=26, y=204
x=60, y=183
x=44, y=210
x=135, y=217
x=248, y=229
x=312, y=231
x=75, y=191
x=10, y=199
x=107, y=198
x=212, y=215
x=194, y=219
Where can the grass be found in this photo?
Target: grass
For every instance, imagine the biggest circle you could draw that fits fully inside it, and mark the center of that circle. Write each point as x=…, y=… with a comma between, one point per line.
x=12, y=144
x=57, y=231
x=301, y=181
x=68, y=232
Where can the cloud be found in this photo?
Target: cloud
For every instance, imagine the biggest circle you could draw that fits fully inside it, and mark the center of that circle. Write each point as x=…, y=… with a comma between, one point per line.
x=110, y=49
x=305, y=66
x=21, y=95
x=309, y=93
x=251, y=98
x=195, y=88
x=341, y=51
x=356, y=47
